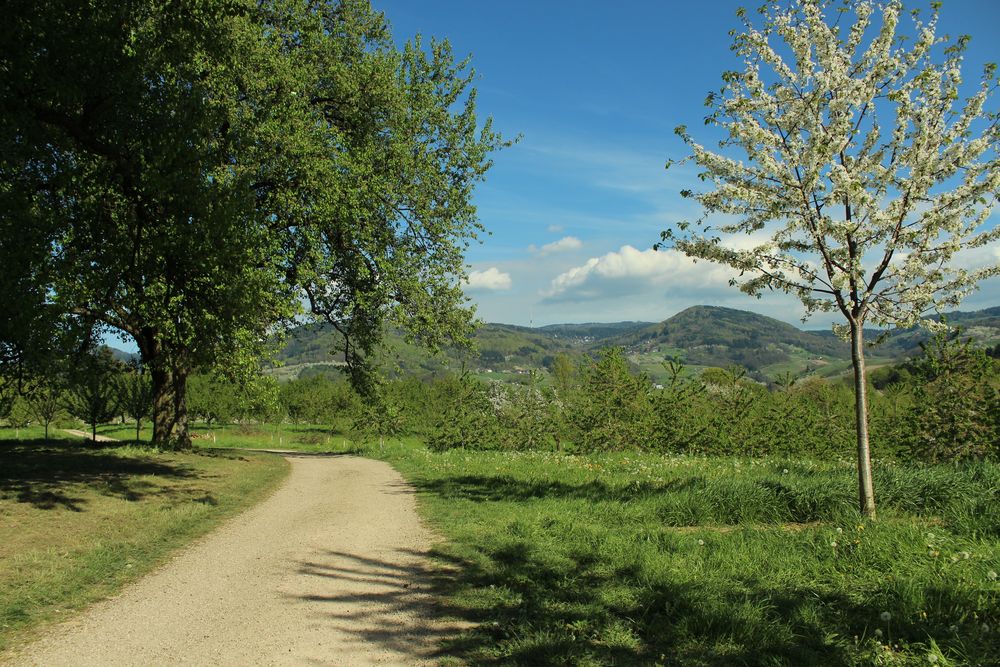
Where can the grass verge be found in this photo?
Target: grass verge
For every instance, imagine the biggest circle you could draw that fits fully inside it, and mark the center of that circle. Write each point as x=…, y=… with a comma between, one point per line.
x=78, y=521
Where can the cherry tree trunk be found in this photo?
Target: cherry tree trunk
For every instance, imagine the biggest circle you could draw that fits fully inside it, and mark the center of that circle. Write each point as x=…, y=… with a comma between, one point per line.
x=866, y=487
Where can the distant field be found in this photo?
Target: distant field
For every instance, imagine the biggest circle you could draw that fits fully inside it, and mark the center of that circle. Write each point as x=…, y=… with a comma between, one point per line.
x=77, y=521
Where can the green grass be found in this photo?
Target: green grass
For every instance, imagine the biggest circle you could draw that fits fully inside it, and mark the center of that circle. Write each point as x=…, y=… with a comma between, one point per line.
x=643, y=559
x=77, y=521
x=299, y=437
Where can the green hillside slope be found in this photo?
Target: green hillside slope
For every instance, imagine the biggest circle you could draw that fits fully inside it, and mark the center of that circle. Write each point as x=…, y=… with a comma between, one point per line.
x=701, y=336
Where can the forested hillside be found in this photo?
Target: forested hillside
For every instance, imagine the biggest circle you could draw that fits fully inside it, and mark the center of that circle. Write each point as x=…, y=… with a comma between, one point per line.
x=700, y=336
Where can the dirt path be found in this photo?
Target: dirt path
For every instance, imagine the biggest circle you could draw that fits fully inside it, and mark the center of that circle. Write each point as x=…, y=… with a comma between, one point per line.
x=330, y=570
x=87, y=435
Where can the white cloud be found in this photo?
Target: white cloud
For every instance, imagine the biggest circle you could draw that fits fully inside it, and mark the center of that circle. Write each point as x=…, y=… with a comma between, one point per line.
x=978, y=258
x=562, y=245
x=554, y=229
x=490, y=279
x=628, y=270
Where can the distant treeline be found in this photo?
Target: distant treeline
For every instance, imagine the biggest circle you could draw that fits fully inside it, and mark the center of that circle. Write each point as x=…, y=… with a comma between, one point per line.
x=942, y=405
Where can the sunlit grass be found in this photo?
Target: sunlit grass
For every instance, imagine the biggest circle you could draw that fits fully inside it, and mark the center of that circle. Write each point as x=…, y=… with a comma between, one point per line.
x=79, y=520
x=634, y=558
x=297, y=437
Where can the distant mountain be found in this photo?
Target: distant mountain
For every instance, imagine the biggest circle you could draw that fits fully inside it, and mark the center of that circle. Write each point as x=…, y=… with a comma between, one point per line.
x=701, y=336
x=706, y=331
x=720, y=337
x=122, y=355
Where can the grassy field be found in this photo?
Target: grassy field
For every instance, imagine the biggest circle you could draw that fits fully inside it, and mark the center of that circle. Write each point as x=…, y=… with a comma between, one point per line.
x=641, y=559
x=77, y=521
x=300, y=437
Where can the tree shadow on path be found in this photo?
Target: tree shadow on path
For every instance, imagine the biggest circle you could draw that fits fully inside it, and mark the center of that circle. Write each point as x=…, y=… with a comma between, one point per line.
x=386, y=603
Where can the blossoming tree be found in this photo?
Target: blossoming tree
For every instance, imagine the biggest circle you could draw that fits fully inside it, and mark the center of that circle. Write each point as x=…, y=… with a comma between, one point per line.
x=856, y=167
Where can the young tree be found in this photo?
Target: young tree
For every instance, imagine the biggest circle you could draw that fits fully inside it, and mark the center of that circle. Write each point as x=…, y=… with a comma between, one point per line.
x=377, y=418
x=192, y=173
x=19, y=416
x=613, y=409
x=93, y=393
x=135, y=392
x=46, y=404
x=862, y=174
x=957, y=401
x=212, y=399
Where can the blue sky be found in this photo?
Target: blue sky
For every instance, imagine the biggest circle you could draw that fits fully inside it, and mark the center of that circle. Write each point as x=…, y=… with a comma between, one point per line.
x=595, y=89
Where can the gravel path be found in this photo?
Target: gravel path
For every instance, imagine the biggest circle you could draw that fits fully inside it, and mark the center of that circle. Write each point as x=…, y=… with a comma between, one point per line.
x=87, y=435
x=330, y=570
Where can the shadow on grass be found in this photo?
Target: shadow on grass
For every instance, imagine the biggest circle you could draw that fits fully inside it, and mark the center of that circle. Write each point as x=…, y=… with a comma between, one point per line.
x=546, y=598
x=524, y=610
x=61, y=473
x=525, y=607
x=485, y=488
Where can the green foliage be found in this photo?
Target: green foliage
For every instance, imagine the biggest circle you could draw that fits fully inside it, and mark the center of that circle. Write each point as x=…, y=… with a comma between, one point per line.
x=956, y=402
x=377, y=419
x=47, y=404
x=212, y=399
x=681, y=424
x=591, y=405
x=613, y=408
x=315, y=399
x=135, y=394
x=93, y=393
x=467, y=417
x=528, y=415
x=186, y=174
x=20, y=415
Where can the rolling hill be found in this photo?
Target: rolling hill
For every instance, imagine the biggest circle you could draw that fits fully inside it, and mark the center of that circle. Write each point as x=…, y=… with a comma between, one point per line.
x=700, y=336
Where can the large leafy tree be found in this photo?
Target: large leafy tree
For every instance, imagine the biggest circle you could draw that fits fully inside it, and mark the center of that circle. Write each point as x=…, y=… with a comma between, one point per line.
x=192, y=173
x=851, y=158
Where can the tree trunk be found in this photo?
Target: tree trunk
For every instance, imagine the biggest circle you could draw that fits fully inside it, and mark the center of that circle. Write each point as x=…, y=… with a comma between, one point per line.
x=866, y=489
x=138, y=427
x=169, y=385
x=170, y=424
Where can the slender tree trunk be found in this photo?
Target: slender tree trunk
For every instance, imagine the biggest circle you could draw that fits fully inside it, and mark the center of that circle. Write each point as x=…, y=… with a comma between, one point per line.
x=138, y=427
x=93, y=431
x=866, y=488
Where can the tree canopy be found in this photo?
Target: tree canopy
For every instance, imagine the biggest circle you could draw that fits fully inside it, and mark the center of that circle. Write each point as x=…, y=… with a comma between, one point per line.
x=196, y=174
